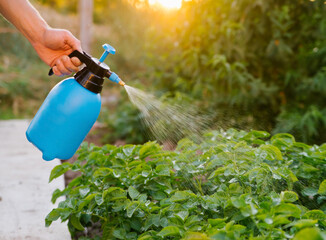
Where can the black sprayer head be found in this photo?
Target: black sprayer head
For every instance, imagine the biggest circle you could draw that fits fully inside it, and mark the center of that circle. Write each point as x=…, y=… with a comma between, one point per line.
x=92, y=75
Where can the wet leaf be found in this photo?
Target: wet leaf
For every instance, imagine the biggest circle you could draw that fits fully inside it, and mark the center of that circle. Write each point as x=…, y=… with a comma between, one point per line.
x=289, y=196
x=169, y=231
x=148, y=149
x=57, y=171
x=133, y=193
x=308, y=233
x=76, y=222
x=132, y=208
x=163, y=170
x=322, y=188
x=273, y=153
x=315, y=214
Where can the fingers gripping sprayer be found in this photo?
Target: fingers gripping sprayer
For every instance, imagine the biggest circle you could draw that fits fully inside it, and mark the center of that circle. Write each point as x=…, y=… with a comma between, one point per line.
x=71, y=108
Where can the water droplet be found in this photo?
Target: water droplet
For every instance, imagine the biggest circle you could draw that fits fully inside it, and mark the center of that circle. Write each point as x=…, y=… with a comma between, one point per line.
x=167, y=123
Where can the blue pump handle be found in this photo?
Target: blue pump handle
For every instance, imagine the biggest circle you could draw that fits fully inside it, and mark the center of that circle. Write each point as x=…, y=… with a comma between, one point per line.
x=107, y=49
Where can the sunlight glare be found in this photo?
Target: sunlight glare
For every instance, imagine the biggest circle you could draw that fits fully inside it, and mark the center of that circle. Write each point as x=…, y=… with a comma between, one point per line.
x=168, y=4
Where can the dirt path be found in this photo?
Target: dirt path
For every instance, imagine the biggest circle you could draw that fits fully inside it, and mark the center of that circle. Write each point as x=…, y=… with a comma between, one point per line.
x=25, y=193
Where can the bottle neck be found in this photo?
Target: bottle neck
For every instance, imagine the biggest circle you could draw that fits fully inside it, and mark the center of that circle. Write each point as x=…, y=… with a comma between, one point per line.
x=89, y=80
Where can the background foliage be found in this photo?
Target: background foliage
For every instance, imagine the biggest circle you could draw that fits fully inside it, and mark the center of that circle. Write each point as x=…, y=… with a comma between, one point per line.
x=264, y=59
x=22, y=82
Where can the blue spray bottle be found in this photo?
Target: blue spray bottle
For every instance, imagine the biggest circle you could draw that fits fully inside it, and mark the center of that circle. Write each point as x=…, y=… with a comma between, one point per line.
x=71, y=108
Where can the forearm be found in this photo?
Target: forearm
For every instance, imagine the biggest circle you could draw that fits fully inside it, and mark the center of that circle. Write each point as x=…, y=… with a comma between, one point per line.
x=25, y=18
x=52, y=45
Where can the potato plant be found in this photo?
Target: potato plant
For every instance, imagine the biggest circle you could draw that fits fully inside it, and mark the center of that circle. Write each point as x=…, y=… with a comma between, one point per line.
x=233, y=185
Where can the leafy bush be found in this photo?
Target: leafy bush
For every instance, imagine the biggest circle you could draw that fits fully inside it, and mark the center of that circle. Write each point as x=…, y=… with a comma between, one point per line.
x=234, y=185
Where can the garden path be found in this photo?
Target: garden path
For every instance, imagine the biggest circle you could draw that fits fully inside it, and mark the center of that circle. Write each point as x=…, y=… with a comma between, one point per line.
x=25, y=193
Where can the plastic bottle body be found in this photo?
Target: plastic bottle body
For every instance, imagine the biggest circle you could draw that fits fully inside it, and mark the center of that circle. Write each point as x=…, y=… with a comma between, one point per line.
x=64, y=119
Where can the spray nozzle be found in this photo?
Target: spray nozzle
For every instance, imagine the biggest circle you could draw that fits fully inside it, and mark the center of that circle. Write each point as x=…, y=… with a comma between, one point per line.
x=114, y=78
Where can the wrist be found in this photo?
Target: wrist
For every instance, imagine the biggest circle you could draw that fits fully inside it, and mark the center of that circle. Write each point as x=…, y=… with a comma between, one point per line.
x=35, y=34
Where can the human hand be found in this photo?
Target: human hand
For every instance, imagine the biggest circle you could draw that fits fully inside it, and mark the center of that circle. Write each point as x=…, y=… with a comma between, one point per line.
x=54, y=48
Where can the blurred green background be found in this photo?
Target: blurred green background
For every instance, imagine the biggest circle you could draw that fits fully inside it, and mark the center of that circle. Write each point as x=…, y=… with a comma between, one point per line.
x=252, y=64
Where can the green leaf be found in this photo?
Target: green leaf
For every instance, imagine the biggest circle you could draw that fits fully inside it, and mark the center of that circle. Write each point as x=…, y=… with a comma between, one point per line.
x=131, y=236
x=142, y=198
x=283, y=140
x=280, y=220
x=235, y=188
x=163, y=170
x=238, y=202
x=164, y=222
x=133, y=193
x=86, y=201
x=219, y=234
x=56, y=194
x=136, y=224
x=217, y=172
x=57, y=171
x=196, y=236
x=146, y=237
x=182, y=215
x=253, y=135
x=303, y=223
x=132, y=207
x=153, y=219
x=218, y=222
x=322, y=188
x=315, y=214
x=308, y=233
x=288, y=209
x=84, y=191
x=120, y=233
x=169, y=231
x=302, y=146
x=237, y=228
x=289, y=196
x=307, y=171
x=180, y=196
x=145, y=173
x=114, y=193
x=159, y=195
x=102, y=172
x=273, y=153
x=148, y=149
x=76, y=222
x=99, y=199
x=135, y=163
x=52, y=216
x=308, y=191
x=185, y=144
x=128, y=149
x=259, y=134
x=120, y=205
x=193, y=219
